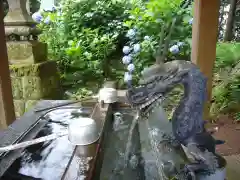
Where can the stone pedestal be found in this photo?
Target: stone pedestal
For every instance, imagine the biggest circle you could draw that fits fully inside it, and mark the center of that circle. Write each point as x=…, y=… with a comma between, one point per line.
x=33, y=82
x=33, y=76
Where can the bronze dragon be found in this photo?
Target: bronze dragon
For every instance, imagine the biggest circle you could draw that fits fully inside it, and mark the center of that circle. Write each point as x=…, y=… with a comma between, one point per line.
x=187, y=121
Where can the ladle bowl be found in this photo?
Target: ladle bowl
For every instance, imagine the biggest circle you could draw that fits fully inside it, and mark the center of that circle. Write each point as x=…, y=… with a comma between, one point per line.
x=83, y=131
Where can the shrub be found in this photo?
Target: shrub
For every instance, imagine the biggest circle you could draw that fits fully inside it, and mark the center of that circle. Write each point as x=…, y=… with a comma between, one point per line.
x=84, y=37
x=227, y=55
x=145, y=24
x=226, y=91
x=87, y=37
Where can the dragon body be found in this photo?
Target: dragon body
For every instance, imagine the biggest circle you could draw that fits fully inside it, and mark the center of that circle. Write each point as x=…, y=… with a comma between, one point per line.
x=187, y=121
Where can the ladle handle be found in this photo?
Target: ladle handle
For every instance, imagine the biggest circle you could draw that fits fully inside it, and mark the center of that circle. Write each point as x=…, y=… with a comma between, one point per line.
x=32, y=142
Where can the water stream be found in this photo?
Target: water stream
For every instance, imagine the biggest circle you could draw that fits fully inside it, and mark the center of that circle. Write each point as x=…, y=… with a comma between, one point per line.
x=129, y=140
x=128, y=154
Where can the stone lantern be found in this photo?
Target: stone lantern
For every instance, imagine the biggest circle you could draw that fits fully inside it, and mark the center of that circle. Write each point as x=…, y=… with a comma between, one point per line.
x=33, y=76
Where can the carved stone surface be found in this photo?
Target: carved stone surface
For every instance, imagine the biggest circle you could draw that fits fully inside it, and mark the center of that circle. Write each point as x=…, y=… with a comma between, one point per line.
x=26, y=52
x=32, y=82
x=18, y=22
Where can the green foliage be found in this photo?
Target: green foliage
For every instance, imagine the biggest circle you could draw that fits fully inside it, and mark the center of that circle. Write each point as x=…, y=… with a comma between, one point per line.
x=83, y=37
x=147, y=19
x=237, y=116
x=226, y=93
x=227, y=55
x=86, y=37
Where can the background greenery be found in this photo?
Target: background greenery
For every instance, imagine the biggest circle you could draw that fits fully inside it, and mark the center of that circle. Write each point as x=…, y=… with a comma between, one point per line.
x=86, y=39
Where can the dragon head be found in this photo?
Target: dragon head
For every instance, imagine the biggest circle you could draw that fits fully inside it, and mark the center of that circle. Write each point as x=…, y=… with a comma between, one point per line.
x=157, y=80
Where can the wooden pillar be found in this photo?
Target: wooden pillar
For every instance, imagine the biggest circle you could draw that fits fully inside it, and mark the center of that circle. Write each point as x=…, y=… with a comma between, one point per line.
x=204, y=39
x=7, y=113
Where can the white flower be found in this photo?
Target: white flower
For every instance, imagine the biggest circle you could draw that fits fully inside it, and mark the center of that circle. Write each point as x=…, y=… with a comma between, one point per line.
x=127, y=77
x=174, y=49
x=180, y=44
x=146, y=38
x=131, y=33
x=190, y=21
x=89, y=14
x=126, y=59
x=131, y=67
x=126, y=49
x=136, y=48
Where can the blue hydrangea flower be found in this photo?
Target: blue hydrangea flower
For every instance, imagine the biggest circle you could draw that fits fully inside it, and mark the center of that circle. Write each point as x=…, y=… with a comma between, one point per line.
x=174, y=49
x=47, y=20
x=180, y=44
x=131, y=33
x=37, y=17
x=126, y=59
x=127, y=77
x=136, y=48
x=131, y=67
x=126, y=49
x=190, y=21
x=146, y=38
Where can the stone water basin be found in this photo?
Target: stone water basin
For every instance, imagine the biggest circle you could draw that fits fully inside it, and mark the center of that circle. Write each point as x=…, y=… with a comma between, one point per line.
x=141, y=165
x=105, y=159
x=48, y=160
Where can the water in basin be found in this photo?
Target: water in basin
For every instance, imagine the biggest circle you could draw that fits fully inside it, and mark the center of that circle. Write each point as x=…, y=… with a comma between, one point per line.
x=48, y=160
x=128, y=156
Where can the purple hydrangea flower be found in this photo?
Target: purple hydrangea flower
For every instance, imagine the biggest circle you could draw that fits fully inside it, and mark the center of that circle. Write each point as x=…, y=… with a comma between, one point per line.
x=126, y=49
x=174, y=49
x=47, y=20
x=190, y=21
x=136, y=48
x=127, y=77
x=126, y=59
x=131, y=33
x=37, y=16
x=131, y=67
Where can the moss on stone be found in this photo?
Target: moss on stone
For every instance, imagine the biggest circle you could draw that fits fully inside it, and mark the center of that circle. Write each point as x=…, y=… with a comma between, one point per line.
x=19, y=106
x=32, y=82
x=32, y=88
x=27, y=51
x=46, y=69
x=17, y=87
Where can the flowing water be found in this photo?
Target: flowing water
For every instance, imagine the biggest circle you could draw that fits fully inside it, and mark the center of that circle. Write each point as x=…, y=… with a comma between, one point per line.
x=48, y=160
x=128, y=154
x=129, y=140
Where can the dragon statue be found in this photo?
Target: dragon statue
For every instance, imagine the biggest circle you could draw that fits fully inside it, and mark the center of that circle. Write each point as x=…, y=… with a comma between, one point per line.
x=188, y=126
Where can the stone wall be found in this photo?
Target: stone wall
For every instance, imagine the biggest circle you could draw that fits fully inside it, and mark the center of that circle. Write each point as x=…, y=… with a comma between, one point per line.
x=33, y=82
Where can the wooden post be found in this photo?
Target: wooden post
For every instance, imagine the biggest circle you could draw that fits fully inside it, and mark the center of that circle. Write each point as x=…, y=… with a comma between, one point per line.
x=7, y=113
x=204, y=39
